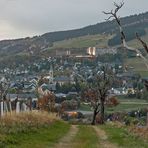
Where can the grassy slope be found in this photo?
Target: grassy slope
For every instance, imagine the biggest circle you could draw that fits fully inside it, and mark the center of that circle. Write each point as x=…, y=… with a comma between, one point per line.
x=136, y=43
x=93, y=40
x=31, y=129
x=123, y=138
x=139, y=66
x=137, y=63
x=42, y=137
x=83, y=42
x=101, y=41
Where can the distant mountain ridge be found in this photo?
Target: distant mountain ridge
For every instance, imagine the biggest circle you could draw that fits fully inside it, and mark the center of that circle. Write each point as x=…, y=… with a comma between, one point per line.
x=39, y=43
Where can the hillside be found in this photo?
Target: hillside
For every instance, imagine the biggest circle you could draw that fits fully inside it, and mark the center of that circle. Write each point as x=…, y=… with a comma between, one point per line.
x=99, y=35
x=40, y=129
x=83, y=42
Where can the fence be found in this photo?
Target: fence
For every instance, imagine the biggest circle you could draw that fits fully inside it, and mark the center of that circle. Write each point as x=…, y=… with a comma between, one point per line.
x=7, y=106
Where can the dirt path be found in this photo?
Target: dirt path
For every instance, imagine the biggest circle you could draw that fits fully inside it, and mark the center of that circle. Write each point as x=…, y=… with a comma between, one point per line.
x=103, y=139
x=65, y=142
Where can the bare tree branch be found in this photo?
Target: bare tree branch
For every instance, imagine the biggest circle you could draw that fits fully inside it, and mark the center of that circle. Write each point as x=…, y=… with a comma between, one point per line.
x=118, y=7
x=123, y=37
x=142, y=42
x=109, y=18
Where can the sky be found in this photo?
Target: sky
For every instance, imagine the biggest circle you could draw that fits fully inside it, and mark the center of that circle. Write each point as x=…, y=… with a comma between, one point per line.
x=22, y=18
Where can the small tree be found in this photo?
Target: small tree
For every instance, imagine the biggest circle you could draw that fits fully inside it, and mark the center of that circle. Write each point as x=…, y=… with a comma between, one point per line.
x=99, y=91
x=47, y=102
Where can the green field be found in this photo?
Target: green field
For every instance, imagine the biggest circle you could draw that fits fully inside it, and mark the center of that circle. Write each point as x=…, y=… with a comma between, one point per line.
x=125, y=105
x=138, y=65
x=100, y=41
x=135, y=43
x=83, y=42
x=128, y=104
x=42, y=137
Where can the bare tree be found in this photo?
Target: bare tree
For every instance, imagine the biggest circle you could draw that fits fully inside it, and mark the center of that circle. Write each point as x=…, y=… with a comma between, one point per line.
x=113, y=15
x=98, y=92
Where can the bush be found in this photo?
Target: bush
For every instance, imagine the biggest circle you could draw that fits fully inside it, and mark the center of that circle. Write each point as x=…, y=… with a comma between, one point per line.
x=113, y=101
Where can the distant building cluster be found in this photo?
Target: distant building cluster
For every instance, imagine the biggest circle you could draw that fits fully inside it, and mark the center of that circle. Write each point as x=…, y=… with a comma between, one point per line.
x=63, y=53
x=102, y=51
x=93, y=51
x=90, y=52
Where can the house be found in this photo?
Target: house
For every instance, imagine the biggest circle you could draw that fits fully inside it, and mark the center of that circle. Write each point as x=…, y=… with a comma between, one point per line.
x=102, y=51
x=23, y=96
x=63, y=80
x=60, y=97
x=118, y=91
x=63, y=53
x=50, y=87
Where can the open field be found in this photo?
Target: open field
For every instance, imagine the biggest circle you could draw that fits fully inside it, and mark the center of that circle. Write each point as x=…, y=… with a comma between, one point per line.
x=138, y=65
x=135, y=43
x=122, y=107
x=126, y=104
x=100, y=41
x=83, y=42
x=126, y=107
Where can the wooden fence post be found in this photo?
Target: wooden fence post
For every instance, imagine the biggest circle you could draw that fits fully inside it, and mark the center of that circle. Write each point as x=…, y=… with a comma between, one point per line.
x=2, y=108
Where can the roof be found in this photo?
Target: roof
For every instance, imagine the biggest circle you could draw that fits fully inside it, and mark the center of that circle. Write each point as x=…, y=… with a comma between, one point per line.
x=59, y=95
x=48, y=86
x=63, y=78
x=21, y=96
x=72, y=93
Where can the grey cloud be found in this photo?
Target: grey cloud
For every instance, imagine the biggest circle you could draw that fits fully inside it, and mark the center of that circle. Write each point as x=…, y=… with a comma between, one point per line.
x=39, y=16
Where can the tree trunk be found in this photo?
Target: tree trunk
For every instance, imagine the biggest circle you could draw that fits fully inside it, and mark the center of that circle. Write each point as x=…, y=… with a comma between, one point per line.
x=94, y=117
x=102, y=112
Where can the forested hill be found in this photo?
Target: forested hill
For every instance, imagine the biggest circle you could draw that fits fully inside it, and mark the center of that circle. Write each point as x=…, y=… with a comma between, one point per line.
x=138, y=21
x=36, y=44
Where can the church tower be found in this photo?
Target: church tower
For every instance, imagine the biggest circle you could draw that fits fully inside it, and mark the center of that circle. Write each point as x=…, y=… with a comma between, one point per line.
x=51, y=74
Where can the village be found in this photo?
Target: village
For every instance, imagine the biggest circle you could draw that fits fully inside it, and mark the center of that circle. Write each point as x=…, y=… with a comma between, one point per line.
x=73, y=74
x=65, y=78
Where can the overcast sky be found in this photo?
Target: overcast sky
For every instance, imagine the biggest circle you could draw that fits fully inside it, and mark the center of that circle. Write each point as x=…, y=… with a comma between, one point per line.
x=21, y=18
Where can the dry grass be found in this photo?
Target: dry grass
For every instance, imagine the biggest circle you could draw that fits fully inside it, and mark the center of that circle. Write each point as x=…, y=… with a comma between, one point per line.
x=140, y=131
x=23, y=122
x=31, y=130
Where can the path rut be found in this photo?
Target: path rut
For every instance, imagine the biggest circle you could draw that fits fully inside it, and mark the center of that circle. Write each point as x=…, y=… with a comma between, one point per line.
x=66, y=141
x=103, y=139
